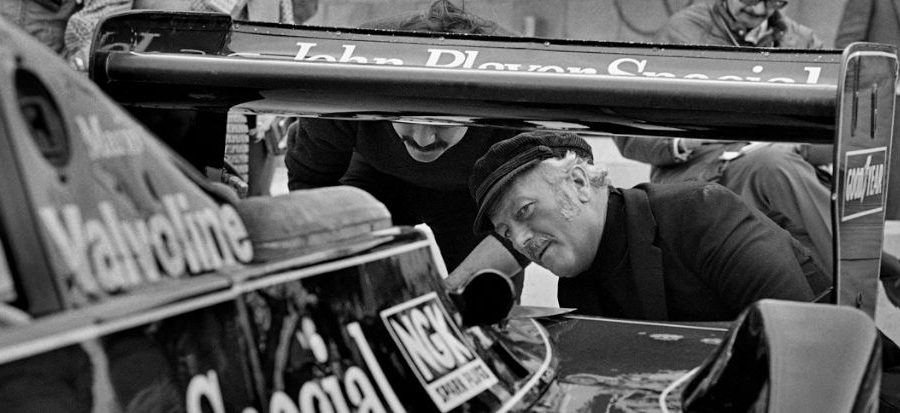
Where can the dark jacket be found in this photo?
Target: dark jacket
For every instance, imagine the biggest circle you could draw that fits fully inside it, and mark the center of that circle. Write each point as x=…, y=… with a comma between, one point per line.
x=707, y=24
x=369, y=155
x=692, y=252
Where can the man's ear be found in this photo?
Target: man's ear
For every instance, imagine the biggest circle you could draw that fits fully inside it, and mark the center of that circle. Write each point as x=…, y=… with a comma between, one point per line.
x=582, y=181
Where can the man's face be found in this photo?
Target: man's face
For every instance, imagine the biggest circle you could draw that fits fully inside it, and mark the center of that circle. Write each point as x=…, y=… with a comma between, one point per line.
x=424, y=142
x=548, y=223
x=748, y=15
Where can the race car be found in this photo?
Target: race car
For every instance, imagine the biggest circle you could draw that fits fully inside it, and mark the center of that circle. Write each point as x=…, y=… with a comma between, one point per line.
x=132, y=283
x=207, y=65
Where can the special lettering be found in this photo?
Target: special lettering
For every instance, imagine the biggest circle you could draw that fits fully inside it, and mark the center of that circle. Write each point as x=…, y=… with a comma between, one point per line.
x=448, y=58
x=351, y=391
x=638, y=67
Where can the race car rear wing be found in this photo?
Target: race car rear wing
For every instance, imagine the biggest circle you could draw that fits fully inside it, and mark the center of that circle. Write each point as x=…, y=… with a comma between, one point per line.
x=194, y=60
x=174, y=61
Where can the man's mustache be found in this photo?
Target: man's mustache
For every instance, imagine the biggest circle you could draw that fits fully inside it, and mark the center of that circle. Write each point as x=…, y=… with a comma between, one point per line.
x=534, y=246
x=438, y=144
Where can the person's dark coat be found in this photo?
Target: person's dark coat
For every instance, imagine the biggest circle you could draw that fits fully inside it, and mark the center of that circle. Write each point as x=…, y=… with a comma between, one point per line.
x=692, y=252
x=370, y=156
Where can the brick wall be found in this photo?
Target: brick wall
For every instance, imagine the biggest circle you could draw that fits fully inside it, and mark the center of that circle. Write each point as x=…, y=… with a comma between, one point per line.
x=616, y=20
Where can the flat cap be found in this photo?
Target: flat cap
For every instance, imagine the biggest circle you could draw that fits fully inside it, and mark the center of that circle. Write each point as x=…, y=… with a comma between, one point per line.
x=510, y=157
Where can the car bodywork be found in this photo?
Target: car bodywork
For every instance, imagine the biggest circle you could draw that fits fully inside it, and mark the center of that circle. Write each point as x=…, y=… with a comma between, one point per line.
x=105, y=328
x=131, y=284
x=195, y=61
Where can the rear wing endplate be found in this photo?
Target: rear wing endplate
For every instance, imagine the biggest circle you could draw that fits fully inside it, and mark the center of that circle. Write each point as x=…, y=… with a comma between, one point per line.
x=863, y=133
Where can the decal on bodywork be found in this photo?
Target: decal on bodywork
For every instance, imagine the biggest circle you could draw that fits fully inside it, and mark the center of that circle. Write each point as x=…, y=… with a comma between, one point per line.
x=436, y=351
x=350, y=390
x=109, y=254
x=103, y=143
x=865, y=182
x=447, y=58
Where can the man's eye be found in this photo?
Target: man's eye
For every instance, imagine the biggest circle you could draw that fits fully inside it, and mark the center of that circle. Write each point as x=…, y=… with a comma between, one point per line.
x=524, y=211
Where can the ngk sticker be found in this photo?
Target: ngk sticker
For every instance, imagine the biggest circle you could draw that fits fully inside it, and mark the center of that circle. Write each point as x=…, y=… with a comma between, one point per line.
x=435, y=350
x=864, y=182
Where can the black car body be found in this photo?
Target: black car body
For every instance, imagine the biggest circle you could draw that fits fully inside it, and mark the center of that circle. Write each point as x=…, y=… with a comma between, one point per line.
x=132, y=284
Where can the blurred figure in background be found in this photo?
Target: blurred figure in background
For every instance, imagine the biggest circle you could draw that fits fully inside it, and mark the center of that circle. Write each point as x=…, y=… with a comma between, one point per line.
x=782, y=180
x=786, y=181
x=81, y=25
x=244, y=134
x=869, y=21
x=44, y=19
x=758, y=23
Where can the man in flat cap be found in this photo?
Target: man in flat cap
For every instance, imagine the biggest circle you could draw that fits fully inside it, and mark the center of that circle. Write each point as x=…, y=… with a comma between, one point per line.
x=687, y=251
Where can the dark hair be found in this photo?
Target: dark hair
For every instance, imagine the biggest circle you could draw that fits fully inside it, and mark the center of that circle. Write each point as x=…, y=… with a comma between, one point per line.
x=442, y=17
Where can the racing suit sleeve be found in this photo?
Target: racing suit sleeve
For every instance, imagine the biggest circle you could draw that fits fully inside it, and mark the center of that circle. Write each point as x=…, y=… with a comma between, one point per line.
x=653, y=151
x=319, y=152
x=854, y=24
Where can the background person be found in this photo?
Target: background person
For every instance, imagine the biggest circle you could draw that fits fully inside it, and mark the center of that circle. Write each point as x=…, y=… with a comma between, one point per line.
x=80, y=28
x=758, y=23
x=689, y=251
x=782, y=180
x=45, y=20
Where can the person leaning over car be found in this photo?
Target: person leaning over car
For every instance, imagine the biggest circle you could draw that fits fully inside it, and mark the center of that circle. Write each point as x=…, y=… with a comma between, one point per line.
x=418, y=170
x=686, y=252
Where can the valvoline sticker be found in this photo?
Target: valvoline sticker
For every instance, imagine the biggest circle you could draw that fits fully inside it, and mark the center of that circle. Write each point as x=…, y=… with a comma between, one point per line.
x=435, y=350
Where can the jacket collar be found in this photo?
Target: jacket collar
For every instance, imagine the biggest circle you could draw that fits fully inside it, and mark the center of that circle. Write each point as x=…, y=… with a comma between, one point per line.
x=639, y=294
x=646, y=258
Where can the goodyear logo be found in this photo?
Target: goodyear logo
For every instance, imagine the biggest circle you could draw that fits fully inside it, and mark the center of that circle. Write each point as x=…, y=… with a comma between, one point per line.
x=864, y=182
x=434, y=349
